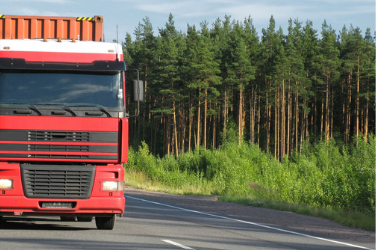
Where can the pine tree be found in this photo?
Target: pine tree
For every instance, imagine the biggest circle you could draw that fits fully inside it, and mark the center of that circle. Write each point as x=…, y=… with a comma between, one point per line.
x=221, y=46
x=240, y=71
x=268, y=58
x=368, y=78
x=329, y=64
x=310, y=52
x=208, y=73
x=303, y=79
x=253, y=46
x=167, y=78
x=189, y=70
x=297, y=85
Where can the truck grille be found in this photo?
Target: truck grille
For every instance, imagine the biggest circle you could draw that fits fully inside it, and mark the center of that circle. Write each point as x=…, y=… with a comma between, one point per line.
x=47, y=147
x=58, y=136
x=42, y=145
x=59, y=181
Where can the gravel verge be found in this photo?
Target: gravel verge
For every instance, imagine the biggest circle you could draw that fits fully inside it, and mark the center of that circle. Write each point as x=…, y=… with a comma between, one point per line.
x=286, y=220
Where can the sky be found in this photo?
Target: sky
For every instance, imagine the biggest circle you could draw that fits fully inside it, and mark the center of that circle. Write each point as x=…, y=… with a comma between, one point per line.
x=127, y=14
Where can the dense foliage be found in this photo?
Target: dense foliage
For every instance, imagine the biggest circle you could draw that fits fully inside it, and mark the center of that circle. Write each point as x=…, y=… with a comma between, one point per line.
x=326, y=176
x=283, y=91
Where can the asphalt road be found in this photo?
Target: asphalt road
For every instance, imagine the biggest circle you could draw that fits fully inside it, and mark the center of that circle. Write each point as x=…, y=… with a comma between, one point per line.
x=151, y=225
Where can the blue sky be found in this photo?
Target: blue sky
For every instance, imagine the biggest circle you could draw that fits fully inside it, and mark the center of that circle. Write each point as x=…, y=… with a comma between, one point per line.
x=127, y=14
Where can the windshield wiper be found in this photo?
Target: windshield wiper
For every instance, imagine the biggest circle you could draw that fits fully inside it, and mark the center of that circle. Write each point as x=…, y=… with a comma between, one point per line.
x=100, y=107
x=32, y=107
x=65, y=107
x=29, y=105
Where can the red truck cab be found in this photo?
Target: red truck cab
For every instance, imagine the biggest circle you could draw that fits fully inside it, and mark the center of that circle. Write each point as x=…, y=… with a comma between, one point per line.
x=63, y=125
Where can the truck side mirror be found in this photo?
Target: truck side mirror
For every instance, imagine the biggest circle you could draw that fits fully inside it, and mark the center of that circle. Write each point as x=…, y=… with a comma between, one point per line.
x=138, y=91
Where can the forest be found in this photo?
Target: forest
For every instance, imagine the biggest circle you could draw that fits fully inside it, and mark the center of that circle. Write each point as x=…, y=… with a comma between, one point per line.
x=281, y=92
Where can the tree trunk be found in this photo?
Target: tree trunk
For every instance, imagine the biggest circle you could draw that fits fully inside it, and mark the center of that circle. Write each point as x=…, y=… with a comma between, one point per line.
x=343, y=120
x=155, y=138
x=327, y=111
x=357, y=100
x=251, y=113
x=307, y=121
x=214, y=128
x=331, y=113
x=183, y=118
x=205, y=115
x=267, y=123
x=289, y=118
x=175, y=131
x=276, y=125
x=240, y=120
x=258, y=120
x=297, y=119
x=168, y=132
x=366, y=114
x=283, y=121
x=198, y=118
x=252, y=101
x=190, y=123
x=349, y=99
x=322, y=119
x=315, y=117
x=225, y=115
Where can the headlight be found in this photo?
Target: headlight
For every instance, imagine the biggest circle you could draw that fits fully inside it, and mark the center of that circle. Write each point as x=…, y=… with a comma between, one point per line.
x=6, y=183
x=113, y=186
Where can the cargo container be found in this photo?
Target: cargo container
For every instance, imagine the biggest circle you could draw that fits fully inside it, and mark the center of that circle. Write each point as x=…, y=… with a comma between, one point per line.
x=31, y=27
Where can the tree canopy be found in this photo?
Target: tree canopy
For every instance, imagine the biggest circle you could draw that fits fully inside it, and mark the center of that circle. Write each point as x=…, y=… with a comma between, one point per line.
x=283, y=91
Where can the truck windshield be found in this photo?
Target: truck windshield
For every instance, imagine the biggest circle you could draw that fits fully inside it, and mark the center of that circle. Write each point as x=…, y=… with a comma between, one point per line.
x=62, y=88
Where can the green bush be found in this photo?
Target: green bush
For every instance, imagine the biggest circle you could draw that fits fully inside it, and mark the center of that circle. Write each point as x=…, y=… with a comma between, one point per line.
x=327, y=175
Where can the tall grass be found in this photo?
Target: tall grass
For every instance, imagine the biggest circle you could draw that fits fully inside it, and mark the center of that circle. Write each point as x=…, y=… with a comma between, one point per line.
x=326, y=176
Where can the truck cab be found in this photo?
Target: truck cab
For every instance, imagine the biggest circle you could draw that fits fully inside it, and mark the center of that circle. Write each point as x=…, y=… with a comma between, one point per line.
x=63, y=129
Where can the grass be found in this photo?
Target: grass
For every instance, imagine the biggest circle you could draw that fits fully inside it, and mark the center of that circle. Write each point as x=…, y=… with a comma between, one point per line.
x=140, y=180
x=327, y=180
x=361, y=220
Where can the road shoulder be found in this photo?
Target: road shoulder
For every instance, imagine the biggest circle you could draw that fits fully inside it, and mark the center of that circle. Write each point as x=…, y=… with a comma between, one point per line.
x=287, y=220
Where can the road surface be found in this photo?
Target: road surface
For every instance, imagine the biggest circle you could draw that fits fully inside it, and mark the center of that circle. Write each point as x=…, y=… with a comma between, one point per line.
x=147, y=224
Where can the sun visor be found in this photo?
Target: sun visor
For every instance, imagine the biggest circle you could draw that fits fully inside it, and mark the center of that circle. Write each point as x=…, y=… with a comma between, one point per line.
x=97, y=66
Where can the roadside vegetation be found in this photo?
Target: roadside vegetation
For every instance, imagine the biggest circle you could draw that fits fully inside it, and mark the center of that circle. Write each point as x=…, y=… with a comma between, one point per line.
x=263, y=118
x=327, y=180
x=282, y=89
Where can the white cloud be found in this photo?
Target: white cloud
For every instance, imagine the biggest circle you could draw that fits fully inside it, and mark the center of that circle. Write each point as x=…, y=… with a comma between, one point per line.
x=162, y=7
x=36, y=12
x=46, y=1
x=261, y=11
x=303, y=11
x=342, y=2
x=354, y=10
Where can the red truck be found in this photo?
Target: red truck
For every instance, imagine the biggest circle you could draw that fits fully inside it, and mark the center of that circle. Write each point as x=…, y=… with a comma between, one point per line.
x=63, y=122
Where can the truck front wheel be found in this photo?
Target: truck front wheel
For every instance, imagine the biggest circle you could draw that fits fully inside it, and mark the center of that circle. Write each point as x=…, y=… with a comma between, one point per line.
x=106, y=223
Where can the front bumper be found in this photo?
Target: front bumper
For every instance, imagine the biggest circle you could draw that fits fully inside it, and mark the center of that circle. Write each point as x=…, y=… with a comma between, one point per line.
x=95, y=206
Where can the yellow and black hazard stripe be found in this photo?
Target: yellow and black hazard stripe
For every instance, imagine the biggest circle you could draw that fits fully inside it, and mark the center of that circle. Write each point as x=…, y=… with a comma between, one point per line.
x=2, y=16
x=90, y=19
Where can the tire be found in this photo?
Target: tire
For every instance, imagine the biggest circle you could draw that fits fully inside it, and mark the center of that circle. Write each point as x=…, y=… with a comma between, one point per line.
x=105, y=223
x=85, y=218
x=67, y=218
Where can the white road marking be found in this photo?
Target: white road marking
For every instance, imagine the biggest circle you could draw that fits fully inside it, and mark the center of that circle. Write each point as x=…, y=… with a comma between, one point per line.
x=249, y=222
x=177, y=244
